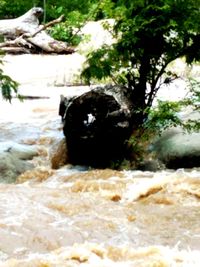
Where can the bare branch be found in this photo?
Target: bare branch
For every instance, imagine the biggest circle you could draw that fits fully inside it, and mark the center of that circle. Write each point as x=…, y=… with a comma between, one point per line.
x=45, y=26
x=19, y=41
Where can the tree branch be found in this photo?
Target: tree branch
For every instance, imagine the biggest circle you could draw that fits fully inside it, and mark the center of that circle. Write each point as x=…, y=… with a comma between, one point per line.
x=45, y=26
x=154, y=90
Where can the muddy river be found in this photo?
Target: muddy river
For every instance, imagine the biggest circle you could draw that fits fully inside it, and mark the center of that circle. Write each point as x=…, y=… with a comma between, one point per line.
x=75, y=216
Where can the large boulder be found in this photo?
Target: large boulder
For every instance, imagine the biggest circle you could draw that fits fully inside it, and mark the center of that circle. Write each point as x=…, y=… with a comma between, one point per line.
x=177, y=149
x=14, y=160
x=97, y=125
x=95, y=35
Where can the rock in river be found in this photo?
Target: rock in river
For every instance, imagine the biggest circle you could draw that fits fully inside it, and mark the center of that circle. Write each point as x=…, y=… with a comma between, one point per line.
x=177, y=149
x=14, y=160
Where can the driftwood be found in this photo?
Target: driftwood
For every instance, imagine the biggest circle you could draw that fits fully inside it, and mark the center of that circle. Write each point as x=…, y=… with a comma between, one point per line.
x=96, y=125
x=25, y=35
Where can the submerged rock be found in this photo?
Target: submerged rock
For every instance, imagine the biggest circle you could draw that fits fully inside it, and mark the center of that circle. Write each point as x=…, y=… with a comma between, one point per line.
x=14, y=160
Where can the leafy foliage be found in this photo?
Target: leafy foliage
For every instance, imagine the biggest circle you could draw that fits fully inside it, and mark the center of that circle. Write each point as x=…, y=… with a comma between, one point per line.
x=66, y=31
x=12, y=9
x=8, y=86
x=163, y=116
x=194, y=89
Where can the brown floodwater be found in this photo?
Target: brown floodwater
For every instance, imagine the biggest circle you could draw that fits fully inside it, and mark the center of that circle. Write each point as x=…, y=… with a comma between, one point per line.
x=77, y=216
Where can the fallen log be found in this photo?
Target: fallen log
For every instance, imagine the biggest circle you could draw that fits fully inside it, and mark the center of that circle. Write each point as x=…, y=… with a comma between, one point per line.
x=96, y=125
x=25, y=35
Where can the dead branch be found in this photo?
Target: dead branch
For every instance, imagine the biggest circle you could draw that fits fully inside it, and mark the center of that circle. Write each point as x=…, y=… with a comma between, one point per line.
x=25, y=32
x=19, y=41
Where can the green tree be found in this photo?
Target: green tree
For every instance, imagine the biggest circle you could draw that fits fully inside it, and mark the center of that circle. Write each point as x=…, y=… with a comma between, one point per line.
x=150, y=34
x=53, y=8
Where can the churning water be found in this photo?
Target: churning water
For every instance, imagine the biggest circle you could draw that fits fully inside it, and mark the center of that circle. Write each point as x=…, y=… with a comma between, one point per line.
x=74, y=216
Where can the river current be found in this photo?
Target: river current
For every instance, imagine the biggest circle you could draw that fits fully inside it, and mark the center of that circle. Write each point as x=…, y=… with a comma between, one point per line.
x=78, y=216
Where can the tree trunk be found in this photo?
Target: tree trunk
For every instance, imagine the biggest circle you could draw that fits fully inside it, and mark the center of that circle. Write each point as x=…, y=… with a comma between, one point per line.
x=97, y=125
x=25, y=35
x=139, y=93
